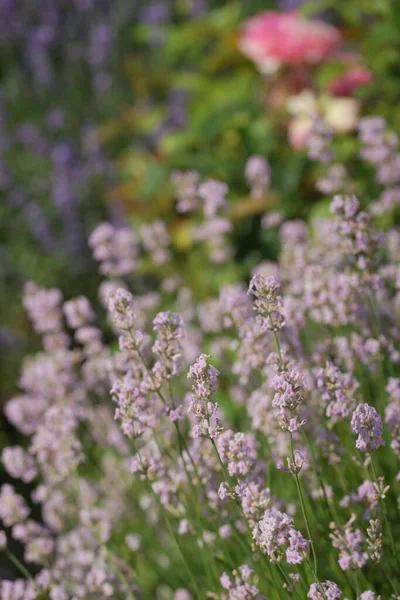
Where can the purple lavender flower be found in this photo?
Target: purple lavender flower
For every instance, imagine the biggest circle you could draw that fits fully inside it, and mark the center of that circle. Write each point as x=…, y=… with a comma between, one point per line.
x=338, y=390
x=333, y=181
x=319, y=141
x=182, y=594
x=44, y=308
x=170, y=329
x=240, y=588
x=19, y=589
x=369, y=595
x=37, y=539
x=238, y=451
x=213, y=231
x=367, y=424
x=380, y=148
x=360, y=240
x=78, y=312
x=13, y=508
x=115, y=249
x=288, y=386
x=258, y=175
x=392, y=418
x=326, y=590
x=169, y=326
x=213, y=194
x=205, y=378
x=275, y=535
x=268, y=302
x=349, y=542
x=120, y=305
x=56, y=445
x=156, y=240
x=255, y=501
x=19, y=464
x=365, y=495
x=186, y=188
x=134, y=410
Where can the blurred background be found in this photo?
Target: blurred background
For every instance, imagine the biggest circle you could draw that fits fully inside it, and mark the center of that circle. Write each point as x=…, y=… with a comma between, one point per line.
x=101, y=100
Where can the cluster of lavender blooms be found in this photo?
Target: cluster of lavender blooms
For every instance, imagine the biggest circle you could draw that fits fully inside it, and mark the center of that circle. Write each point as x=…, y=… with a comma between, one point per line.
x=54, y=49
x=378, y=148
x=114, y=248
x=242, y=447
x=41, y=34
x=319, y=141
x=156, y=240
x=241, y=588
x=208, y=201
x=73, y=168
x=258, y=175
x=275, y=532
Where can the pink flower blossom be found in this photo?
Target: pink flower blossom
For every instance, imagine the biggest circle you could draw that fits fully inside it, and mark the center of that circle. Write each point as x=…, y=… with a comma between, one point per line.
x=347, y=83
x=272, y=39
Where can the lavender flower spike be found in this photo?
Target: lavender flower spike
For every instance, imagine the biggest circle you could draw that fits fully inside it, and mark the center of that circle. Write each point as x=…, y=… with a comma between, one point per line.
x=205, y=379
x=268, y=302
x=367, y=423
x=276, y=536
x=324, y=591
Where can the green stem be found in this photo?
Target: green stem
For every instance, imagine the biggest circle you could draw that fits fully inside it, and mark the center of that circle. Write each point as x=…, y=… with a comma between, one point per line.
x=17, y=563
x=385, y=517
x=173, y=535
x=357, y=583
x=287, y=580
x=186, y=564
x=303, y=508
x=314, y=569
x=319, y=475
x=390, y=581
x=278, y=345
x=146, y=366
x=181, y=445
x=210, y=564
x=120, y=573
x=317, y=581
x=299, y=491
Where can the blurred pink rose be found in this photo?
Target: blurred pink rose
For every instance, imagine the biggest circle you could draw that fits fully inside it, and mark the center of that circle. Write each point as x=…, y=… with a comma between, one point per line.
x=348, y=82
x=272, y=38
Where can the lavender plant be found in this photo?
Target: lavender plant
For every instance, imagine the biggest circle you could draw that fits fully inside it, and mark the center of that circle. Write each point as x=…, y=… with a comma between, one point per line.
x=244, y=447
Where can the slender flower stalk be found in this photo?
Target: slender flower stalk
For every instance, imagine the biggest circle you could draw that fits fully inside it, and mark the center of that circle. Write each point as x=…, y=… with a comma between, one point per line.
x=18, y=564
x=268, y=305
x=381, y=491
x=172, y=532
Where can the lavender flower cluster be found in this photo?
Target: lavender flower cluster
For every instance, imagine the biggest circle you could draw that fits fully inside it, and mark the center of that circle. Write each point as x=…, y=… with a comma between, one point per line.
x=241, y=447
x=52, y=49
